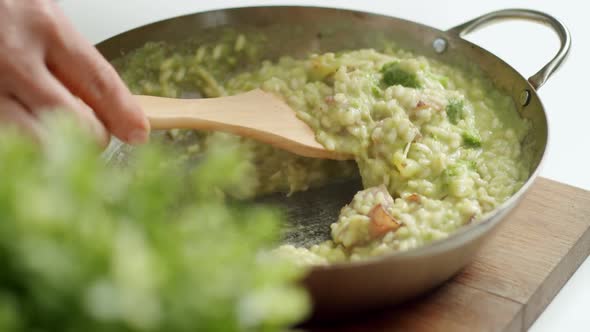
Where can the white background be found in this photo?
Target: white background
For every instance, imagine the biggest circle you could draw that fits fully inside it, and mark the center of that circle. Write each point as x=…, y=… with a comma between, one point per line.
x=525, y=46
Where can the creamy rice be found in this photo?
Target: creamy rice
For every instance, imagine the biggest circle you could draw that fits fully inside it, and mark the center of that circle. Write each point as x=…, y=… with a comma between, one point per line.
x=437, y=146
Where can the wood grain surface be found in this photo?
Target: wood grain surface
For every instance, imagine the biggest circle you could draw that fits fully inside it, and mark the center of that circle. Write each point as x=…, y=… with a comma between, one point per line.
x=513, y=278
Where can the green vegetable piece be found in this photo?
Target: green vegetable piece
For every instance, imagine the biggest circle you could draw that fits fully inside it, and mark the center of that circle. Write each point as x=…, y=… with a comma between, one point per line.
x=455, y=110
x=323, y=66
x=459, y=167
x=450, y=172
x=376, y=91
x=444, y=80
x=393, y=74
x=471, y=139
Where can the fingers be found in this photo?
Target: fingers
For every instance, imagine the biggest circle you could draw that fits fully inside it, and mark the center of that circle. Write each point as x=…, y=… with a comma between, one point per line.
x=40, y=91
x=88, y=75
x=45, y=63
x=52, y=95
x=87, y=115
x=13, y=114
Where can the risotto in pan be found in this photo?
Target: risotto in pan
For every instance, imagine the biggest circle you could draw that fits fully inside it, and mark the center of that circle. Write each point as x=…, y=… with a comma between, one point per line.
x=437, y=146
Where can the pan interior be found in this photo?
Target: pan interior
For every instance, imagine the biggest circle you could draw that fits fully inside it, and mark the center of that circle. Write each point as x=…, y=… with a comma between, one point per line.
x=299, y=31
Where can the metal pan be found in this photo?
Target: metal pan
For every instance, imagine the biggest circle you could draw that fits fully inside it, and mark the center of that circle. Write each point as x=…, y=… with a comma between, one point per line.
x=399, y=276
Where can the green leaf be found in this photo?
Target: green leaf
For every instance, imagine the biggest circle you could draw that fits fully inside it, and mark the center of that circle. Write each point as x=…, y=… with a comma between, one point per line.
x=394, y=74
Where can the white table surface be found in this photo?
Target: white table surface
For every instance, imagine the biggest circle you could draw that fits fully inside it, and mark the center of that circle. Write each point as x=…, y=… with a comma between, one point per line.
x=525, y=46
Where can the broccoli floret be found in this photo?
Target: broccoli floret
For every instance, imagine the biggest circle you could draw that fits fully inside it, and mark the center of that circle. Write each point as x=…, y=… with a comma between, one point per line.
x=455, y=110
x=471, y=139
x=393, y=74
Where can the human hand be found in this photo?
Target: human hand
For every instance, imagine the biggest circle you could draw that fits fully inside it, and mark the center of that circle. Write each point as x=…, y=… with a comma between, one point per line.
x=46, y=65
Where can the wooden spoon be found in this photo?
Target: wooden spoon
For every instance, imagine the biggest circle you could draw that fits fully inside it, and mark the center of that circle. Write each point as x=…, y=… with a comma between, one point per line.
x=256, y=114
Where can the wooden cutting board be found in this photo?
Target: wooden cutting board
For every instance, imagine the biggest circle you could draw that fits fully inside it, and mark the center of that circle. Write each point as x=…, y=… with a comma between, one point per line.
x=514, y=277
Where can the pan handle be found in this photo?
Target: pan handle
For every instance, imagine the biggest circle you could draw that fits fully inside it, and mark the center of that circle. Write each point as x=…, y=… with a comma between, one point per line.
x=542, y=75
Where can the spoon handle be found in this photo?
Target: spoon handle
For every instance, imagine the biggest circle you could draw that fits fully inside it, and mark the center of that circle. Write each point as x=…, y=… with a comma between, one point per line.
x=255, y=114
x=205, y=114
